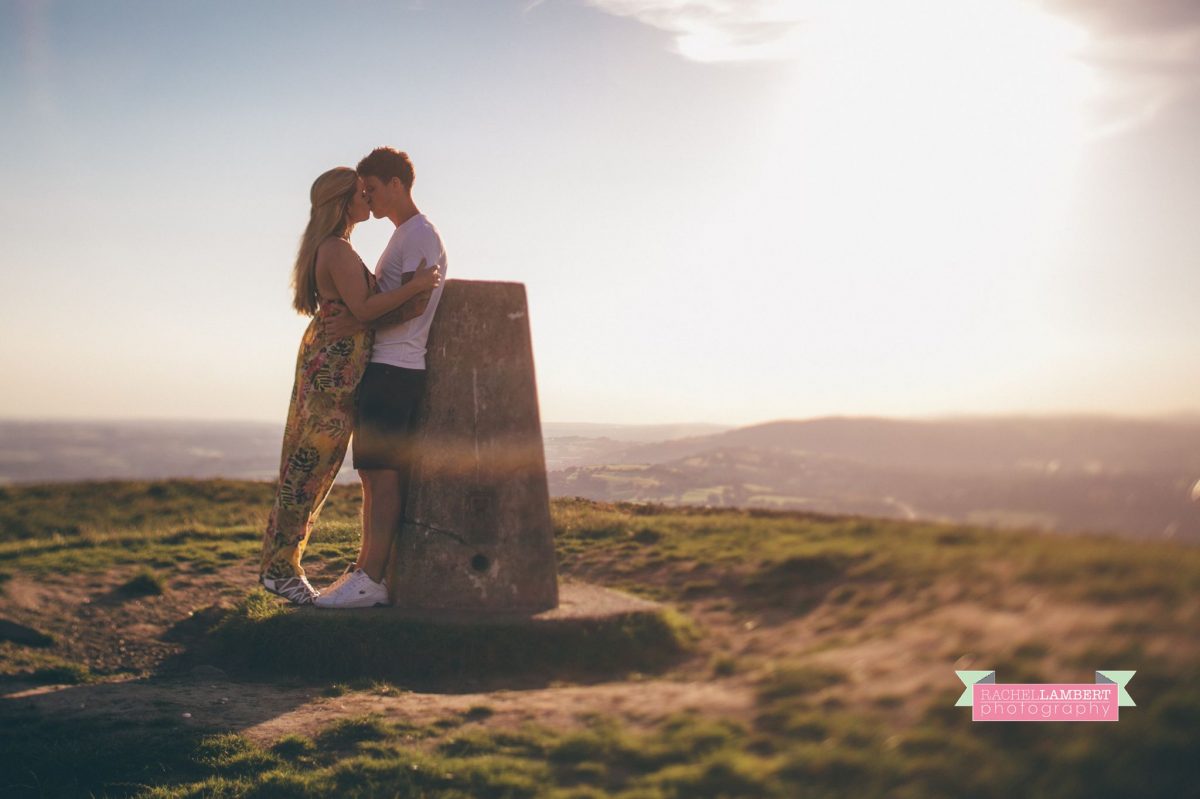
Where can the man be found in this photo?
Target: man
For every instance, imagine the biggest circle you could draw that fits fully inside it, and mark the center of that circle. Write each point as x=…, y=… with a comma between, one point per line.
x=394, y=380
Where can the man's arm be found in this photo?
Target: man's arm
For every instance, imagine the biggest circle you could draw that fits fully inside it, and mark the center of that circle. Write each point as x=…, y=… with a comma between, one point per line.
x=411, y=309
x=340, y=324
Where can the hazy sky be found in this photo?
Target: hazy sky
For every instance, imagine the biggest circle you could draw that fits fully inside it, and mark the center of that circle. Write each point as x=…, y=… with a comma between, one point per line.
x=722, y=211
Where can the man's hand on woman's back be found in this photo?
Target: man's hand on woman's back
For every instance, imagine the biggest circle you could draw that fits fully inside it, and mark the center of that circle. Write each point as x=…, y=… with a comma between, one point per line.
x=341, y=324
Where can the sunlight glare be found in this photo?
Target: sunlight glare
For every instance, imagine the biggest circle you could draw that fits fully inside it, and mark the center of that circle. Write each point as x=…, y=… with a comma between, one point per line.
x=922, y=154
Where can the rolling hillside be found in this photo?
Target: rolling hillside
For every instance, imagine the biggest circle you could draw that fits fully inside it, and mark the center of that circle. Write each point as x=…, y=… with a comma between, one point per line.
x=1081, y=474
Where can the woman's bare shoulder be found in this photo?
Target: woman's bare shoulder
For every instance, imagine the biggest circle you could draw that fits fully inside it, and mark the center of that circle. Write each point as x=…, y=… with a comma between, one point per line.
x=336, y=251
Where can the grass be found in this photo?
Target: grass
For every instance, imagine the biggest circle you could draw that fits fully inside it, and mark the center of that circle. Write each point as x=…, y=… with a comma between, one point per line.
x=821, y=754
x=756, y=557
x=68, y=757
x=146, y=582
x=788, y=560
x=93, y=527
x=796, y=562
x=39, y=666
x=1112, y=571
x=76, y=510
x=804, y=737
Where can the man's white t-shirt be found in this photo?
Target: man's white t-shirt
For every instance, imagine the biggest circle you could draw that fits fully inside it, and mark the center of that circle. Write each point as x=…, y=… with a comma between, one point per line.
x=415, y=239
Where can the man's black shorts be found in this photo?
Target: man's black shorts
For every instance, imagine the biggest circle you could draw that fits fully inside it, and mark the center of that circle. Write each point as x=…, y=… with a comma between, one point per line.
x=387, y=409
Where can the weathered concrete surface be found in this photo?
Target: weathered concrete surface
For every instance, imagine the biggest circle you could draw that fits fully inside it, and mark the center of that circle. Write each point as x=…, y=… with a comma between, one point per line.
x=578, y=602
x=477, y=532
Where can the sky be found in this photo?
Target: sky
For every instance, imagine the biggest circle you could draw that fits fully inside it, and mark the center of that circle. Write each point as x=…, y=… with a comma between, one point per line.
x=727, y=212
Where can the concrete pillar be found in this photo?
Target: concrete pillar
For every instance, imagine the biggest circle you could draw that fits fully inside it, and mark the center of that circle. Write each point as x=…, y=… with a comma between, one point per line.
x=477, y=533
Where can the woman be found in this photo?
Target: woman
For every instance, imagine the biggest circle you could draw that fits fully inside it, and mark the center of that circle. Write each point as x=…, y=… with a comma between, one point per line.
x=328, y=277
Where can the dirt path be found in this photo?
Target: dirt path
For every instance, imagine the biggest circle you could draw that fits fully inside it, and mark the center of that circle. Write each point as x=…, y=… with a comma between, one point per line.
x=266, y=713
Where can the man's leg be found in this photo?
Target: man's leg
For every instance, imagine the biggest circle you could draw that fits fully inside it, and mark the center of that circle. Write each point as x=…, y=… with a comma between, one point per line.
x=366, y=517
x=381, y=519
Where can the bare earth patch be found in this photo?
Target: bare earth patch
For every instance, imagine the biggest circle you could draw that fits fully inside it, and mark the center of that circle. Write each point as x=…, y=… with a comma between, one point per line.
x=125, y=641
x=904, y=648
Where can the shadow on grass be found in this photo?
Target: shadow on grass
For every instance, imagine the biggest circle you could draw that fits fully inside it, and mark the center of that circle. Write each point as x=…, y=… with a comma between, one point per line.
x=65, y=754
x=817, y=751
x=260, y=638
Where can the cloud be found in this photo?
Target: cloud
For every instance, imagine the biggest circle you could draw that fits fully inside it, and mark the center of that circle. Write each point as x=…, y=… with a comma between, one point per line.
x=1145, y=54
x=725, y=30
x=1124, y=17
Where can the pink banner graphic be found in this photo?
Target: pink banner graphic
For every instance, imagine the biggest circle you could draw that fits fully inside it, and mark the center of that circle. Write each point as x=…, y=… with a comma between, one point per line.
x=1044, y=702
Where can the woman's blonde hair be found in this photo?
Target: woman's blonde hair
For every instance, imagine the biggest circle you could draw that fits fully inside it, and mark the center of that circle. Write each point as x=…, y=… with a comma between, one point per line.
x=331, y=194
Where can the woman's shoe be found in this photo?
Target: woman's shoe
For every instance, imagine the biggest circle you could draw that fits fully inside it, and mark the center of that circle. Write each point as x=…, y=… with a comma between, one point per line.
x=296, y=589
x=359, y=591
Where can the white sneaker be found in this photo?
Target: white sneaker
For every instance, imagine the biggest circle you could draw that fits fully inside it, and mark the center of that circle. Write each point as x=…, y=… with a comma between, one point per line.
x=298, y=589
x=359, y=591
x=343, y=577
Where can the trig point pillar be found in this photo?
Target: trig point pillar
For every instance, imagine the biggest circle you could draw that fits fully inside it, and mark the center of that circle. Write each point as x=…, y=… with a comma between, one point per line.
x=477, y=532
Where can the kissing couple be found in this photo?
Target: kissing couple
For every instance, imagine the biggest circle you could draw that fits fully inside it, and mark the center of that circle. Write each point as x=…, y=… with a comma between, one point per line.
x=360, y=371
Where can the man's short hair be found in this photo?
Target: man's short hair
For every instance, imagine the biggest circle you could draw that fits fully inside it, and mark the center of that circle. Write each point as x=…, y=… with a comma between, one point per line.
x=386, y=163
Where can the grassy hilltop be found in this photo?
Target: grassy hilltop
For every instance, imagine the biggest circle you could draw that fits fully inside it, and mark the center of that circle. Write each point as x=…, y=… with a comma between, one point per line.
x=820, y=661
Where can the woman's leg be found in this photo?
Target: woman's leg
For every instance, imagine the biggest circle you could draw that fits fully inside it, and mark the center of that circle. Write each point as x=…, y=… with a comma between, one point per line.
x=319, y=427
x=320, y=422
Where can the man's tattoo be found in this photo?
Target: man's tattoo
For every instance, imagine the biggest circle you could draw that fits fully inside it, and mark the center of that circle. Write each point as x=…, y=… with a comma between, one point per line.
x=411, y=309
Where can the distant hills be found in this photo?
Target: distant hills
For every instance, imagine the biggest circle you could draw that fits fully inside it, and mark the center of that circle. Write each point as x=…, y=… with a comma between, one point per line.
x=43, y=451
x=1128, y=476
x=39, y=451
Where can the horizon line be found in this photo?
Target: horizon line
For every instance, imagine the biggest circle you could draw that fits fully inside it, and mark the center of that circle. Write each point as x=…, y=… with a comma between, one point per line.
x=1174, y=415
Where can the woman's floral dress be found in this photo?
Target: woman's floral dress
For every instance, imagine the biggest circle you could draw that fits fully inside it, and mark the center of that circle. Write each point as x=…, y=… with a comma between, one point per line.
x=320, y=421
